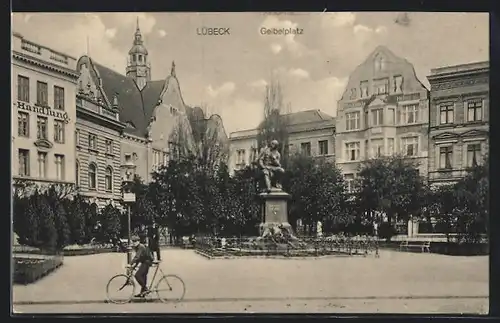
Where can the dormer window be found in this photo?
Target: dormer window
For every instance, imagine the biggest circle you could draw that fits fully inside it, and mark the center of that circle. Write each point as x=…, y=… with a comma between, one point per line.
x=130, y=124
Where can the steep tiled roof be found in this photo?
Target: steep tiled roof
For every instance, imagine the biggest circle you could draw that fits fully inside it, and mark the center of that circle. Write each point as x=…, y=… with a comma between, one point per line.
x=150, y=96
x=130, y=99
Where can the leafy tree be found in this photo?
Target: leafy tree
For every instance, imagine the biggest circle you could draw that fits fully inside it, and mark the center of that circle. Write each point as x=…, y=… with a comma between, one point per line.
x=61, y=225
x=110, y=223
x=25, y=220
x=472, y=200
x=391, y=185
x=91, y=219
x=144, y=212
x=76, y=220
x=47, y=234
x=444, y=202
x=317, y=188
x=55, y=196
x=245, y=206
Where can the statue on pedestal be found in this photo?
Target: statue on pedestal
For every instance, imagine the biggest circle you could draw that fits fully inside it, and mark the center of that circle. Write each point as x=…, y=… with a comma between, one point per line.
x=269, y=163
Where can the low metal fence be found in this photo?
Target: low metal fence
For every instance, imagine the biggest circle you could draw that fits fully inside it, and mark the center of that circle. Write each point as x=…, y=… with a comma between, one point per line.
x=301, y=246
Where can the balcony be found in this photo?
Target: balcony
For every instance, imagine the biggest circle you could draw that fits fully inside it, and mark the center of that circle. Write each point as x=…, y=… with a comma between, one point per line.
x=29, y=48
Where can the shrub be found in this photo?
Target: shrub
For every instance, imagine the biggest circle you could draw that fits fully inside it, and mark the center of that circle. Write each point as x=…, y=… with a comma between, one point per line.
x=387, y=231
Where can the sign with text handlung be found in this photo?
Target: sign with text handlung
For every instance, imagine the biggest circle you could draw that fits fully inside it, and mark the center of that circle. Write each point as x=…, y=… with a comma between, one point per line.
x=47, y=111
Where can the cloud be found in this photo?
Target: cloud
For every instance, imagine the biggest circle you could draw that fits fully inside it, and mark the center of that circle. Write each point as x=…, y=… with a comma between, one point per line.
x=162, y=33
x=222, y=91
x=338, y=19
x=361, y=29
x=276, y=48
x=110, y=33
x=326, y=92
x=299, y=73
x=284, y=41
x=78, y=27
x=232, y=113
x=258, y=84
x=358, y=29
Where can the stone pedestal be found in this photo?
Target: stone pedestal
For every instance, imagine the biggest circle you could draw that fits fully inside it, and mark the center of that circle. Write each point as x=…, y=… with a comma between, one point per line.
x=275, y=209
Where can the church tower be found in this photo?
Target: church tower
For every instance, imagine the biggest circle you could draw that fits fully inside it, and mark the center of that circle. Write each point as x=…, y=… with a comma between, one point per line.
x=138, y=66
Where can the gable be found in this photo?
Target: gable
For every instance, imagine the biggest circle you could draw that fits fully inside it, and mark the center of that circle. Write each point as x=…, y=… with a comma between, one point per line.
x=89, y=83
x=169, y=118
x=382, y=64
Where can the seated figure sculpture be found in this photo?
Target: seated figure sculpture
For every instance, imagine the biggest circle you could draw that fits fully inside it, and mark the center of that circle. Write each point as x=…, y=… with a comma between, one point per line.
x=269, y=163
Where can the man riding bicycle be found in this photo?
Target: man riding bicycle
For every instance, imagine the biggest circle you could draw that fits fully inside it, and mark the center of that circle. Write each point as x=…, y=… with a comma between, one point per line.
x=144, y=258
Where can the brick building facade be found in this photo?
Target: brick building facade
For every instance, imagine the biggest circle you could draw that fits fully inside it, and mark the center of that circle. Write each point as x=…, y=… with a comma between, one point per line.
x=459, y=120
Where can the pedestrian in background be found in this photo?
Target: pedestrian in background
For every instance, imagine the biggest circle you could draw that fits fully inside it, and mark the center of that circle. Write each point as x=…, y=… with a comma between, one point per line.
x=154, y=240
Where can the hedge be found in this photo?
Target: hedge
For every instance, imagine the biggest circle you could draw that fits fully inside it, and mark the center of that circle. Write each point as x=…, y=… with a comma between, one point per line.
x=29, y=270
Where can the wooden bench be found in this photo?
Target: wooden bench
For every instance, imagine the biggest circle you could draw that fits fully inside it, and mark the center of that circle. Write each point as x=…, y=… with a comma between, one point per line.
x=424, y=245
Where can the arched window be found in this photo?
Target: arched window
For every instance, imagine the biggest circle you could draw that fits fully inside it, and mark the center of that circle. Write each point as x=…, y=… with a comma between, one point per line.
x=108, y=179
x=92, y=176
x=77, y=174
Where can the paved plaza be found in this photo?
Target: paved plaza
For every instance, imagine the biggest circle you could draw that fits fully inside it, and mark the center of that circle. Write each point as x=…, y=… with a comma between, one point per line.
x=394, y=283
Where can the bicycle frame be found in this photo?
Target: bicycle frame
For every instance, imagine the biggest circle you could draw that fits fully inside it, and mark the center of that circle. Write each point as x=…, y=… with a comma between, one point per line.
x=131, y=271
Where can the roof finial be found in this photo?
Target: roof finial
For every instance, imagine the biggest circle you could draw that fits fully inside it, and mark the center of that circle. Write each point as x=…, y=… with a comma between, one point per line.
x=172, y=71
x=137, y=25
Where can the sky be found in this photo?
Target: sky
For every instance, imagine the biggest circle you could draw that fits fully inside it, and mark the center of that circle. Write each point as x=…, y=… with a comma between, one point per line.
x=227, y=74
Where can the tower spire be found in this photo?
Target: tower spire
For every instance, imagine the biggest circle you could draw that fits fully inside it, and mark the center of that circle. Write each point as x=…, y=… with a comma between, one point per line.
x=138, y=66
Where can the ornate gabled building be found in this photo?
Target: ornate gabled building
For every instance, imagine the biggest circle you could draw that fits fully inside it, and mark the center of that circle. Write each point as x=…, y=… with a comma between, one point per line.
x=98, y=140
x=383, y=111
x=459, y=120
x=310, y=132
x=43, y=113
x=153, y=112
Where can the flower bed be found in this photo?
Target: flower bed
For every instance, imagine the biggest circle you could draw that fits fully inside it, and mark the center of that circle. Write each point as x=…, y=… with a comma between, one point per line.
x=303, y=247
x=72, y=250
x=90, y=249
x=29, y=270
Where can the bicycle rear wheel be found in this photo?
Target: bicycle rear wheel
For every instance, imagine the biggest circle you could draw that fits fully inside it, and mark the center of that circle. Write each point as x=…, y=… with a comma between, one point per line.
x=120, y=289
x=170, y=288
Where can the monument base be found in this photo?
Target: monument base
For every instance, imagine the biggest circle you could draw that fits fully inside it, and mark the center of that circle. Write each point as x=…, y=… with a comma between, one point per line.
x=275, y=226
x=272, y=227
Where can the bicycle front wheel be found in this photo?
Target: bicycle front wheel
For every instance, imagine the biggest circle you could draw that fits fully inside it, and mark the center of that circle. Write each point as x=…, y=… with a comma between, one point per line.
x=120, y=289
x=170, y=288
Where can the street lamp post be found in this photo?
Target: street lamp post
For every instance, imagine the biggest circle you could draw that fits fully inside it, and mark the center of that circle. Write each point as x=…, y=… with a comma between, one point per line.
x=128, y=198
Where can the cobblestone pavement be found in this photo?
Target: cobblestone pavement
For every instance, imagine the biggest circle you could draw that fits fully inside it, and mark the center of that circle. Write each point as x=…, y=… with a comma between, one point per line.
x=394, y=283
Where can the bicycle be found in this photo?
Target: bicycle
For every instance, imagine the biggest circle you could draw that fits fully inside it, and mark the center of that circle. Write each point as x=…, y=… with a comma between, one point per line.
x=126, y=283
